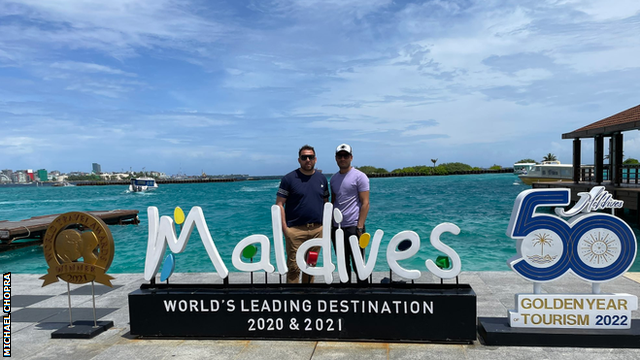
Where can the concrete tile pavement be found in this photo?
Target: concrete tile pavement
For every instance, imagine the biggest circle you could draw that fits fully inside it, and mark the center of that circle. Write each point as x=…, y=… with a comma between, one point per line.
x=495, y=296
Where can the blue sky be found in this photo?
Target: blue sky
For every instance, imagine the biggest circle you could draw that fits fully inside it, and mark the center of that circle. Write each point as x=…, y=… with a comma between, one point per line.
x=239, y=86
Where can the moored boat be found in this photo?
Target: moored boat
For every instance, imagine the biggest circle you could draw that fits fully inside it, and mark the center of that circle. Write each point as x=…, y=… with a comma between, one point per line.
x=547, y=171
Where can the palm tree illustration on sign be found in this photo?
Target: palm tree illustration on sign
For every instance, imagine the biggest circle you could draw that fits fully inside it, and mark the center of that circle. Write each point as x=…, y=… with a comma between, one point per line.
x=542, y=239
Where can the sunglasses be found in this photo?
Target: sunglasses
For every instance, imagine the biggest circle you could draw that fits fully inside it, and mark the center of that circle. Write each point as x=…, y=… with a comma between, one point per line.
x=307, y=157
x=343, y=155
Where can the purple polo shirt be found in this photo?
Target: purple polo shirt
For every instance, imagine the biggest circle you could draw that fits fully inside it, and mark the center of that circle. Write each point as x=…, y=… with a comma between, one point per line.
x=346, y=188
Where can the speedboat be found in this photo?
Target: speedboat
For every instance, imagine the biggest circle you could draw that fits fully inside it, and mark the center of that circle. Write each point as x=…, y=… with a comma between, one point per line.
x=548, y=171
x=143, y=184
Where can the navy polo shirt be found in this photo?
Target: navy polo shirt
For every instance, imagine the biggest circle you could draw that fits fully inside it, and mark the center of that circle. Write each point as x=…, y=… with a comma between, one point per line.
x=306, y=195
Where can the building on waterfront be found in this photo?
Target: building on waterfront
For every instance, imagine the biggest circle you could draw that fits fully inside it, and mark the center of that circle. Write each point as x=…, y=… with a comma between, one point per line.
x=19, y=177
x=53, y=175
x=158, y=175
x=96, y=168
x=8, y=173
x=115, y=176
x=42, y=175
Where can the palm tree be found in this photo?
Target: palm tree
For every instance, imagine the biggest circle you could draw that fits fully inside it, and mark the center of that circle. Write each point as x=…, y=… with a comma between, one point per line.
x=542, y=240
x=434, y=161
x=549, y=157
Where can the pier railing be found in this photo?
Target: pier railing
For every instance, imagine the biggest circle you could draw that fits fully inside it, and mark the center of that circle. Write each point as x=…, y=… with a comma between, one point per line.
x=629, y=174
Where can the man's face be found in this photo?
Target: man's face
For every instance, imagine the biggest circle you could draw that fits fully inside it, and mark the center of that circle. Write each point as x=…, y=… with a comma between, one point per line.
x=343, y=159
x=307, y=160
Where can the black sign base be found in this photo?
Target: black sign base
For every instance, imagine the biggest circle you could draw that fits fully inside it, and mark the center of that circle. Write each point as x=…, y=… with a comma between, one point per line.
x=496, y=331
x=392, y=312
x=82, y=329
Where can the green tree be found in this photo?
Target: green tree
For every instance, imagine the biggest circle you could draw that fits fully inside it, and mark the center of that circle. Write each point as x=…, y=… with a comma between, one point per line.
x=372, y=170
x=549, y=157
x=434, y=161
x=495, y=167
x=631, y=161
x=526, y=161
x=456, y=167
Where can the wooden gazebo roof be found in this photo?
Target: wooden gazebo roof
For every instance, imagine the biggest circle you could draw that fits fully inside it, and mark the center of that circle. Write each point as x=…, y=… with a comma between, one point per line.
x=622, y=121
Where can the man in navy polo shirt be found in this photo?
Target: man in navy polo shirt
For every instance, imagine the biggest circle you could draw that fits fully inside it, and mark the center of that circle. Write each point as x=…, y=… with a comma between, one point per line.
x=301, y=198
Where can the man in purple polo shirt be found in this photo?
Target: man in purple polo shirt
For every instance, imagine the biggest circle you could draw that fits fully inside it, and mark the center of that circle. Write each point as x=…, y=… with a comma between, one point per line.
x=350, y=194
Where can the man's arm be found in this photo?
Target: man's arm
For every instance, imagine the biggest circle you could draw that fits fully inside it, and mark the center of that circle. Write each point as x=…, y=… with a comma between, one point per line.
x=364, y=209
x=280, y=202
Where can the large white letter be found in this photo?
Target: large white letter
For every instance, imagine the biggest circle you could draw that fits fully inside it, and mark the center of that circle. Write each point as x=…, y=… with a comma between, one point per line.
x=342, y=268
x=365, y=271
x=276, y=225
x=456, y=265
x=165, y=233
x=156, y=245
x=263, y=264
x=393, y=255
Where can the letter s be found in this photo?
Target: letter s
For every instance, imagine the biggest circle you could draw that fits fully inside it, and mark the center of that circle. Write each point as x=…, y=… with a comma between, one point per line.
x=456, y=265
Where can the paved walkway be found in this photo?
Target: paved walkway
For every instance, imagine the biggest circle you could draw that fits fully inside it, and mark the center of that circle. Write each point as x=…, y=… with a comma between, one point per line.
x=38, y=311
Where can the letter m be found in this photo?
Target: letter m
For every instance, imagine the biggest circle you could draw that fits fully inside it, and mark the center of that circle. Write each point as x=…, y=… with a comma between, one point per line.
x=162, y=231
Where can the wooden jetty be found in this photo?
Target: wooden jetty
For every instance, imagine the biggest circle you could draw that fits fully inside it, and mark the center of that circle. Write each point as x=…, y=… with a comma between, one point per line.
x=34, y=229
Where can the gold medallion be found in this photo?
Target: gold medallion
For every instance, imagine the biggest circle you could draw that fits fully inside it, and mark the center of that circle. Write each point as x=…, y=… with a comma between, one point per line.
x=78, y=248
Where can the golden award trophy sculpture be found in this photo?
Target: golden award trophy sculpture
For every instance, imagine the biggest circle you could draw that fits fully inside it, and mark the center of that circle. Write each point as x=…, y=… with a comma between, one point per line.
x=79, y=249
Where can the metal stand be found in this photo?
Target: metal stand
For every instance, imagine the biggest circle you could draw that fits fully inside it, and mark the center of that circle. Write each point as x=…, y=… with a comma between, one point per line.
x=252, y=273
x=82, y=329
x=93, y=297
x=69, y=296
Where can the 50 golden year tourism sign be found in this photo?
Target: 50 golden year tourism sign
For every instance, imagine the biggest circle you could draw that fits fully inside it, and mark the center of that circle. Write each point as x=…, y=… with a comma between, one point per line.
x=594, y=246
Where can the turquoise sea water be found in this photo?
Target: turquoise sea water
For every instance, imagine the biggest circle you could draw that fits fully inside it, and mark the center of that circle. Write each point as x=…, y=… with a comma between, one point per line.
x=480, y=205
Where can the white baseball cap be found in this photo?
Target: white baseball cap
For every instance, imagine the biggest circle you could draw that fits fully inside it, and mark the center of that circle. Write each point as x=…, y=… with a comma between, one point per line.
x=344, y=147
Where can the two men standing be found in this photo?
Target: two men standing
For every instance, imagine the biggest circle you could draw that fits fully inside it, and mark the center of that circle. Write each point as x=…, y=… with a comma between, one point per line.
x=301, y=197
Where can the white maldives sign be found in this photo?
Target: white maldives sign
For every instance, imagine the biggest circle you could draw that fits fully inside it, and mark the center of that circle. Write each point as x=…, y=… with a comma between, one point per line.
x=162, y=232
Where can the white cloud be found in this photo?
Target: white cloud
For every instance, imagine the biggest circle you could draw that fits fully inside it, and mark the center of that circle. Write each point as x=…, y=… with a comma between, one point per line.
x=89, y=67
x=605, y=10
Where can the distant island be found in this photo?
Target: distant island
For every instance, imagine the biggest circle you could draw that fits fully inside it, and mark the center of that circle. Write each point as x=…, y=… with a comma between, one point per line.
x=442, y=169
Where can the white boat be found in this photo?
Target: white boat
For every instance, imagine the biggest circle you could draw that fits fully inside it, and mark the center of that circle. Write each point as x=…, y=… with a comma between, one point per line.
x=143, y=184
x=62, y=184
x=548, y=171
x=522, y=168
